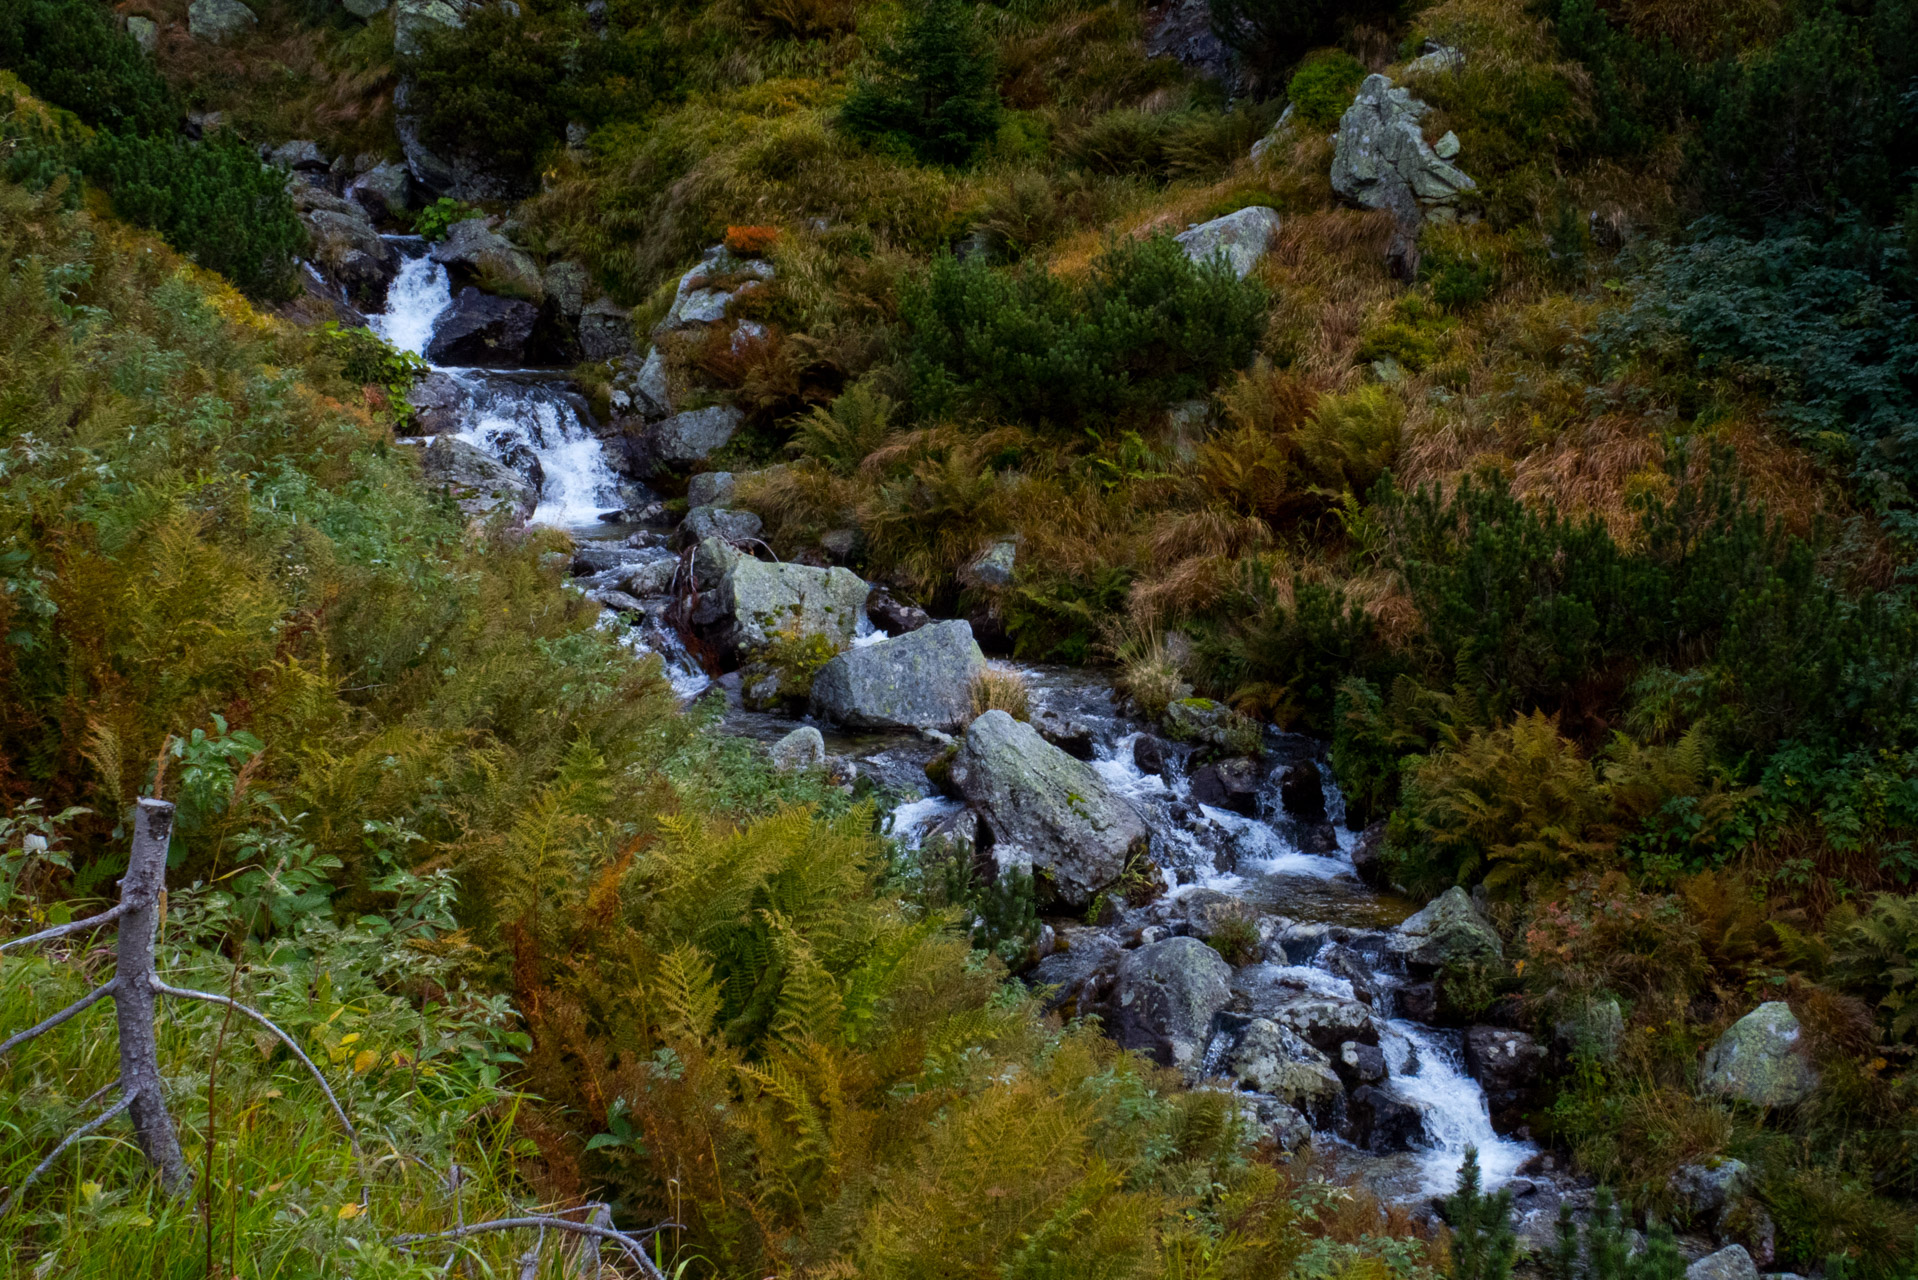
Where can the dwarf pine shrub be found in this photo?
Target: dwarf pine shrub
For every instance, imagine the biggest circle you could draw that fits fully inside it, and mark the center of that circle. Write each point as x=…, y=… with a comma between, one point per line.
x=74, y=55
x=932, y=94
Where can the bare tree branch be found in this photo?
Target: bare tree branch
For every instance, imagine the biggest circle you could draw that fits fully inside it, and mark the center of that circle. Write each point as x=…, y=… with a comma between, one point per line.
x=62, y=930
x=13, y=1201
x=631, y=1244
x=352, y=1134
x=601, y=1216
x=39, y=1029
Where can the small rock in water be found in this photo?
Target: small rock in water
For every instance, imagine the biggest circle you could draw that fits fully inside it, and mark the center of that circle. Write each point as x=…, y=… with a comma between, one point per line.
x=1302, y=792
x=1229, y=784
x=922, y=680
x=1148, y=754
x=1359, y=1063
x=618, y=601
x=803, y=748
x=893, y=617
x=1168, y=993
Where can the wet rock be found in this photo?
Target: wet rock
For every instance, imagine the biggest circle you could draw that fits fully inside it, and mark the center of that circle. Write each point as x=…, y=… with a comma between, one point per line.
x=496, y=263
x=1503, y=1062
x=1419, y=1001
x=1074, y=737
x=1302, y=792
x=1082, y=968
x=710, y=489
x=1730, y=1263
x=1358, y=1063
x=481, y=484
x=1344, y=962
x=717, y=522
x=1229, y=784
x=1761, y=1060
x=590, y=557
x=1701, y=1192
x=384, y=191
x=1167, y=993
x=1314, y=837
x=346, y=247
x=1368, y=857
x=1381, y=1121
x=1242, y=238
x=616, y=600
x=1211, y=724
x=653, y=578
x=893, y=616
x=652, y=385
x=1274, y=1060
x=1182, y=29
x=1148, y=754
x=566, y=283
x=803, y=748
x=1282, y=1123
x=1447, y=932
x=480, y=329
x=1047, y=811
x=761, y=600
x=688, y=438
x=921, y=680
x=217, y=21
x=1381, y=158
x=605, y=330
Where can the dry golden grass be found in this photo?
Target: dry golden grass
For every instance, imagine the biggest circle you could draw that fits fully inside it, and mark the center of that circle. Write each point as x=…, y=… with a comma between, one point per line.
x=1001, y=689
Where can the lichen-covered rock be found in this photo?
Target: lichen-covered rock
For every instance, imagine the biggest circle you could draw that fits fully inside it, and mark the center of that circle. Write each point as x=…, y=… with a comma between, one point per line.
x=1502, y=1061
x=762, y=600
x=1081, y=970
x=480, y=483
x=1701, y=1191
x=1438, y=59
x=1168, y=993
x=299, y=154
x=481, y=329
x=994, y=566
x=1761, y=1060
x=922, y=680
x=217, y=21
x=1729, y=1263
x=368, y=9
x=499, y=265
x=566, y=282
x=689, y=437
x=1046, y=811
x=440, y=403
x=145, y=32
x=707, y=289
x=653, y=387
x=1274, y=1060
x=413, y=19
x=803, y=748
x=347, y=248
x=1243, y=238
x=1326, y=1022
x=710, y=489
x=1381, y=156
x=1212, y=724
x=1449, y=931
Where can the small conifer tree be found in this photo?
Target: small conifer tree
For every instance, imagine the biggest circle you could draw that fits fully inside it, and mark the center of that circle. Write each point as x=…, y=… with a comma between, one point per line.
x=1483, y=1243
x=935, y=94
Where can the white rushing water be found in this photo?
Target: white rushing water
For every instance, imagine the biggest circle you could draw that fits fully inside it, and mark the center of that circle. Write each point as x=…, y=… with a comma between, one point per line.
x=542, y=430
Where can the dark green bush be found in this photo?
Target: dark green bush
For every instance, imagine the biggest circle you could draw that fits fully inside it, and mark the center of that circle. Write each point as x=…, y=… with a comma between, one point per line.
x=213, y=201
x=1640, y=90
x=1322, y=88
x=73, y=54
x=505, y=87
x=1147, y=328
x=933, y=94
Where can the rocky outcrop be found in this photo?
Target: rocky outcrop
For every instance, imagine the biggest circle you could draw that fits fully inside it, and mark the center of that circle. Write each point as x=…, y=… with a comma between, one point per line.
x=1701, y=1192
x=481, y=329
x=462, y=174
x=922, y=680
x=1446, y=933
x=1761, y=1060
x=217, y=21
x=145, y=32
x=1182, y=30
x=1046, y=811
x=803, y=748
x=481, y=484
x=1167, y=995
x=492, y=261
x=704, y=292
x=686, y=438
x=1381, y=158
x=1242, y=239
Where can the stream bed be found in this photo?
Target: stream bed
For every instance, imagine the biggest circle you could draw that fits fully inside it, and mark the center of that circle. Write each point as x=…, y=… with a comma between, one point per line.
x=1322, y=933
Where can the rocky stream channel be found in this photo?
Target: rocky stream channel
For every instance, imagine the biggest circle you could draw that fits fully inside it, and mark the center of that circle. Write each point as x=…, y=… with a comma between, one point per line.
x=1325, y=1029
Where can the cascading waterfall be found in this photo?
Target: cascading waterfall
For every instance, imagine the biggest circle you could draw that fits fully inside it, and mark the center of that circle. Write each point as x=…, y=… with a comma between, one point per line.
x=540, y=428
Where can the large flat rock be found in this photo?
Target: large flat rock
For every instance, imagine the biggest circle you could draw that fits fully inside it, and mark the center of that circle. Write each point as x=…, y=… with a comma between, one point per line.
x=922, y=680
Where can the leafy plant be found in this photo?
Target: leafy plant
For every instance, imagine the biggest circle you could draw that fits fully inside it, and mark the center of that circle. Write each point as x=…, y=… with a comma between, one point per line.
x=437, y=218
x=1875, y=952
x=1322, y=88
x=370, y=360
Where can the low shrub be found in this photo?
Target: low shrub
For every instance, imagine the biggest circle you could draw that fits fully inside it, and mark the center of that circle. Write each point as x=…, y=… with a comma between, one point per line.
x=932, y=93
x=1322, y=88
x=74, y=54
x=214, y=201
x=1147, y=328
